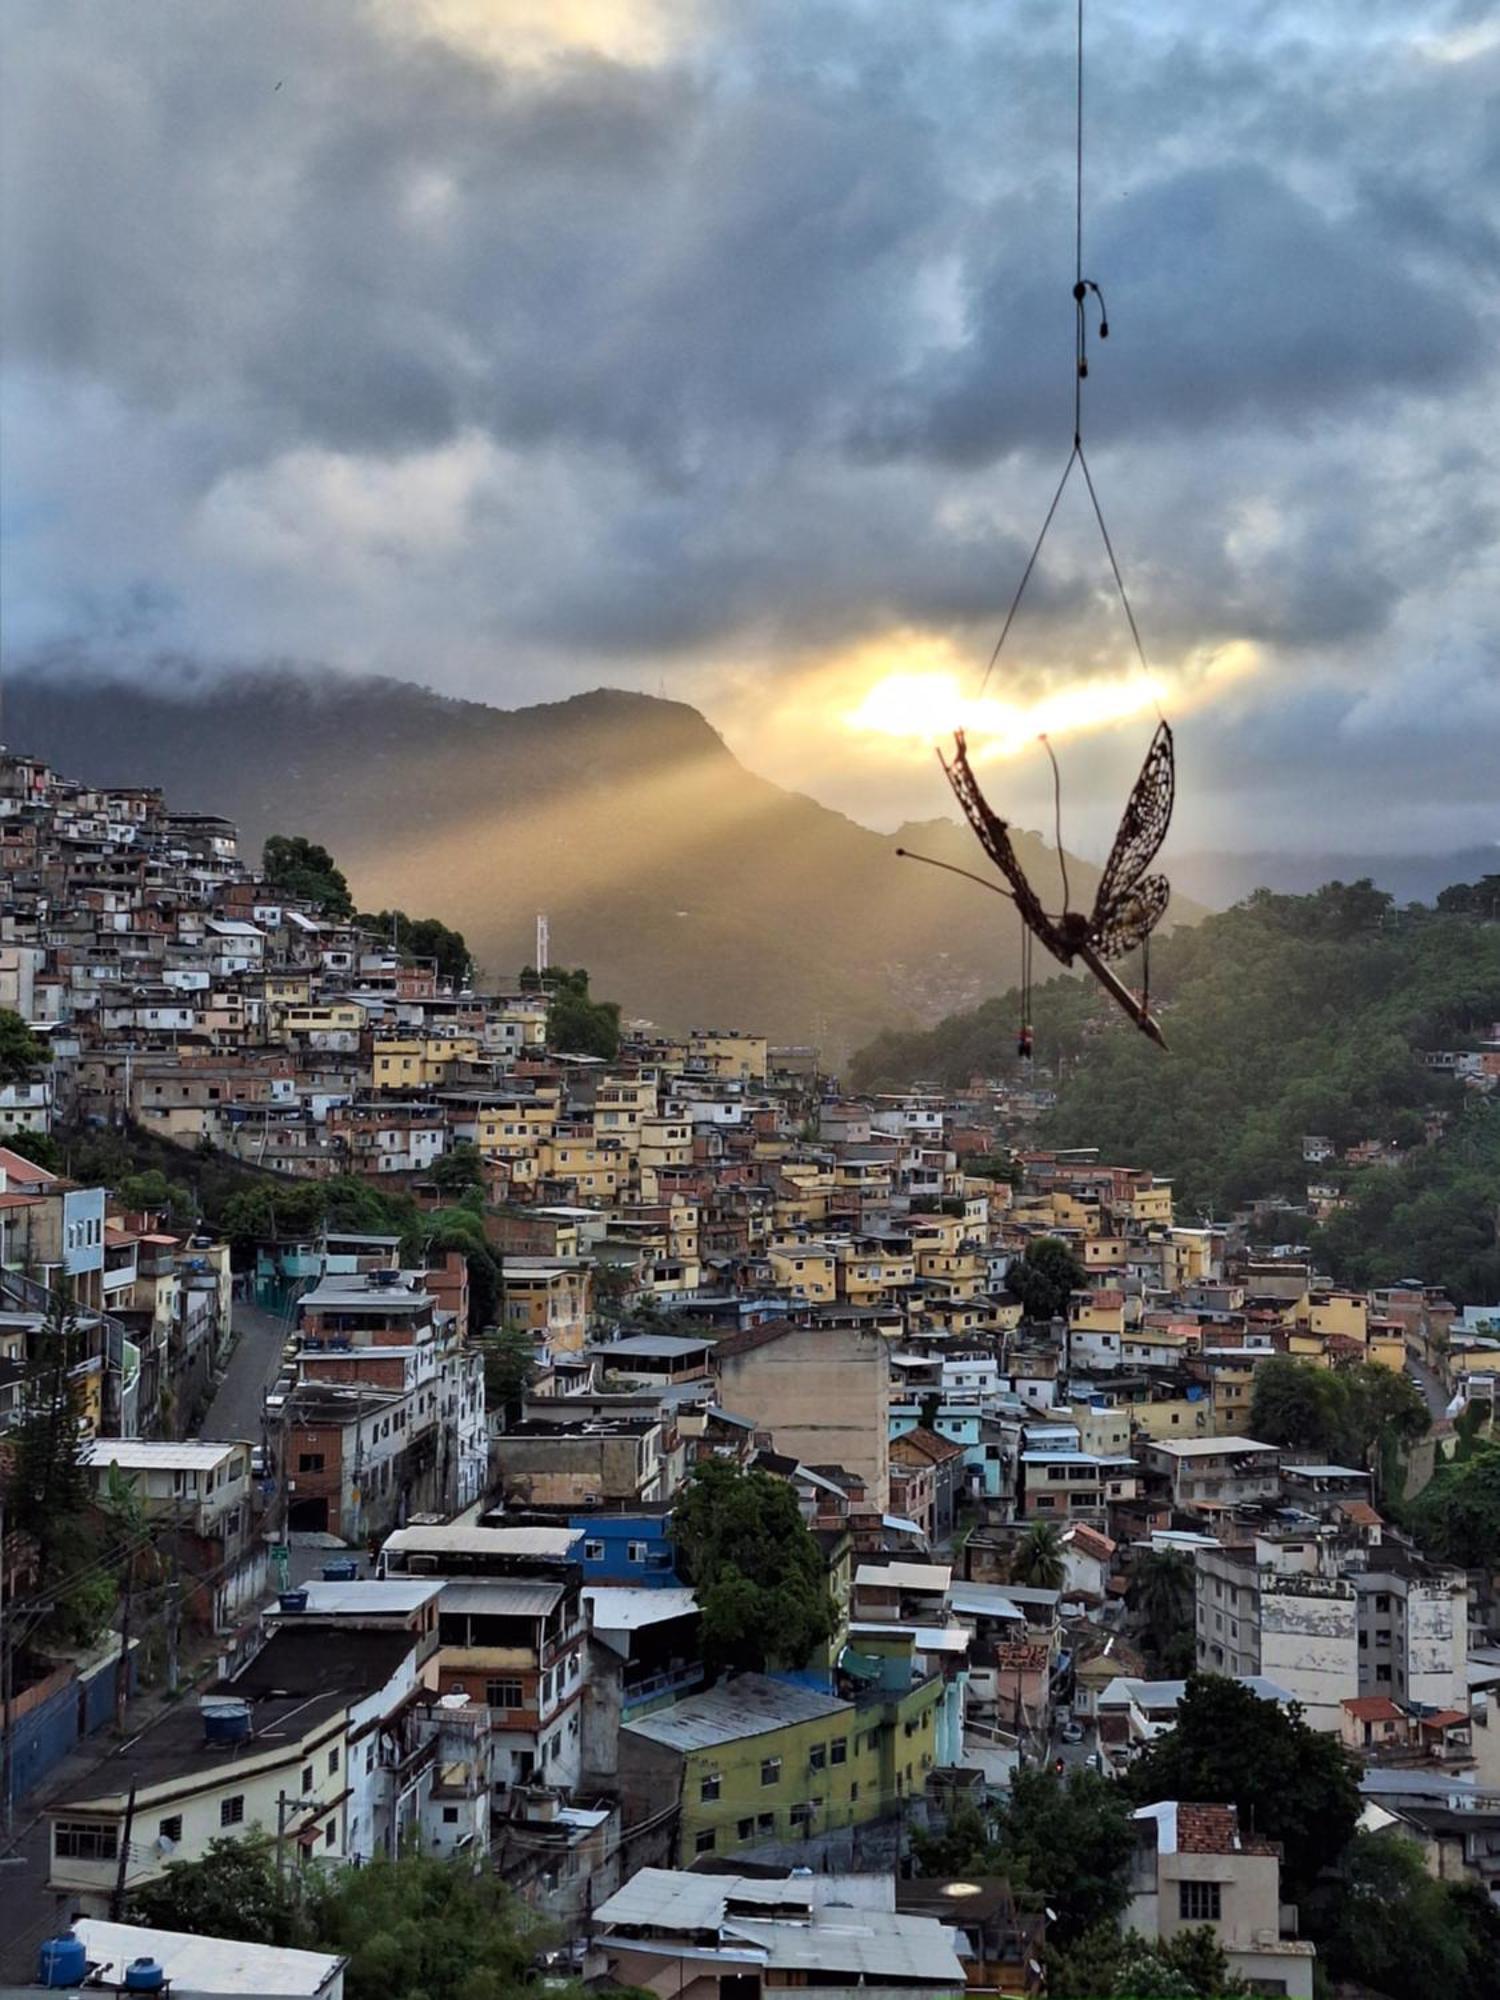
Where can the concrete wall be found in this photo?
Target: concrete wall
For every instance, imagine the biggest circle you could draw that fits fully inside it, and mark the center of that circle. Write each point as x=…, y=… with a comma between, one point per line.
x=824, y=1394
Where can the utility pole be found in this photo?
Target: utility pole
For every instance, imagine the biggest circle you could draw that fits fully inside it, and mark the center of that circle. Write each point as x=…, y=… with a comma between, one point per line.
x=117, y=1900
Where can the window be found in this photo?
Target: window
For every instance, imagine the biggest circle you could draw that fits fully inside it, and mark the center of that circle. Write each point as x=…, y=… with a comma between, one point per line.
x=801, y=1815
x=705, y=1842
x=817, y=1756
x=86, y=1840
x=310, y=1461
x=330, y=1833
x=593, y=1552
x=744, y=1829
x=450, y=1815
x=635, y=1552
x=307, y=1777
x=838, y=1750
x=232, y=1810
x=170, y=1829
x=708, y=1788
x=503, y=1694
x=770, y=1770
x=765, y=1822
x=854, y=1793
x=333, y=1762
x=1198, y=1902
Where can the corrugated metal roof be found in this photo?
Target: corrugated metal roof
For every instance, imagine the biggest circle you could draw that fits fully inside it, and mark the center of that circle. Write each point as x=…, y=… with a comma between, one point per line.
x=621, y=1608
x=451, y=1540
x=206, y=1965
x=501, y=1597
x=160, y=1454
x=748, y=1705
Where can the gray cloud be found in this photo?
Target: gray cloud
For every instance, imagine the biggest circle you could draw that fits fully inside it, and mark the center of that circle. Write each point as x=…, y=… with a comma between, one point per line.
x=336, y=343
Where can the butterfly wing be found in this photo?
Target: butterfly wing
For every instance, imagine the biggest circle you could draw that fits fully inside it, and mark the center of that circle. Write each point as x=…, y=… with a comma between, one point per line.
x=1134, y=917
x=994, y=837
x=1131, y=903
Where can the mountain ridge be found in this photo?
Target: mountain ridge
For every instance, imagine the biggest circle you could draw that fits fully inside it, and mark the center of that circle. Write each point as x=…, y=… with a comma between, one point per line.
x=693, y=889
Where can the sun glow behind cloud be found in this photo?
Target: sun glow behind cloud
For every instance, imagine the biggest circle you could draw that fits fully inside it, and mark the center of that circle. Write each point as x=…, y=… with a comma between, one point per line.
x=930, y=695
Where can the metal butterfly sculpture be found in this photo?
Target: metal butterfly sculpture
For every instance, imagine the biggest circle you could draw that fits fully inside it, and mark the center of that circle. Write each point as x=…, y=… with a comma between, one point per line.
x=1129, y=903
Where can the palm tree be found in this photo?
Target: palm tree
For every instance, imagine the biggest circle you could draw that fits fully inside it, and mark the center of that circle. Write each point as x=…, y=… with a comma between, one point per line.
x=1161, y=1593
x=1037, y=1559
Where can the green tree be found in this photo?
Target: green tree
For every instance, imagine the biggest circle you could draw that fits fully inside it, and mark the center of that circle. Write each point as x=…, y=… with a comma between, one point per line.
x=1037, y=1561
x=22, y=1053
x=270, y=1211
x=458, y=1170
x=154, y=1193
x=1045, y=1279
x=576, y=1023
x=1060, y=1841
x=1291, y=1783
x=233, y=1892
x=423, y=937
x=509, y=1368
x=1192, y=1965
x=38, y=1147
x=1340, y=1413
x=47, y=1496
x=1067, y=1841
x=298, y=867
x=420, y=1928
x=759, y=1576
x=1391, y=1926
x=1456, y=1516
x=1162, y=1587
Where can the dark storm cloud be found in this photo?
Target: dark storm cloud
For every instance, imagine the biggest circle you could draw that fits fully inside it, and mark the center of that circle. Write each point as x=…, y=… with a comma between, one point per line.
x=330, y=339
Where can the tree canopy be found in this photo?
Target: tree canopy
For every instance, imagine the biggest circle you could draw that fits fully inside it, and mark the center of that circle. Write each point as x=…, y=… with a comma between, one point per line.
x=423, y=937
x=22, y=1053
x=1456, y=1516
x=1037, y=1561
x=1291, y=1783
x=759, y=1576
x=1045, y=1278
x=1340, y=1413
x=416, y=1928
x=1391, y=1927
x=1060, y=1841
x=577, y=1024
x=299, y=867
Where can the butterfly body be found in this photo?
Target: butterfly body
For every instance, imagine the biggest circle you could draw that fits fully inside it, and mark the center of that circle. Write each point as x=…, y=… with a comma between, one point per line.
x=1129, y=903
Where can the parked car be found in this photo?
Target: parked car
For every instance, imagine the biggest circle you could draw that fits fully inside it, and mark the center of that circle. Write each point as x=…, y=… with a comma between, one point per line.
x=1072, y=1732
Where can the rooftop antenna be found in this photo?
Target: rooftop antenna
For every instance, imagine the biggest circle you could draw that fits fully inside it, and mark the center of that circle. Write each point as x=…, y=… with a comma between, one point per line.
x=543, y=941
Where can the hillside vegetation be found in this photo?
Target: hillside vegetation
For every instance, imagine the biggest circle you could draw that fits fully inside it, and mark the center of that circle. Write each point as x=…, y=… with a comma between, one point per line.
x=1287, y=1016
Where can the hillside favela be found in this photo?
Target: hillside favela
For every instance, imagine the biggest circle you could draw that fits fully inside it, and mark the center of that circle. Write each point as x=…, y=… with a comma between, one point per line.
x=655, y=1345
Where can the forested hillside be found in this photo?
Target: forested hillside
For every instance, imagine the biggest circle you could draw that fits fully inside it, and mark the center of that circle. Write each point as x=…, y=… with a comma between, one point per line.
x=1288, y=1015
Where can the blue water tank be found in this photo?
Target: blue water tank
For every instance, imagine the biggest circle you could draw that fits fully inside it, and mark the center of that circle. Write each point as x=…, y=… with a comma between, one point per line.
x=293, y=1600
x=225, y=1720
x=343, y=1569
x=144, y=1975
x=62, y=1961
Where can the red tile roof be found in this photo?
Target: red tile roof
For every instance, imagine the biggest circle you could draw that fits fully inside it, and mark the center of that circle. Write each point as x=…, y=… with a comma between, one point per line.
x=1372, y=1708
x=936, y=1450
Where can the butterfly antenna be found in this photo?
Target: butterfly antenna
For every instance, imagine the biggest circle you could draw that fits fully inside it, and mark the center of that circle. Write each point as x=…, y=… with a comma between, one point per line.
x=905, y=854
x=1062, y=859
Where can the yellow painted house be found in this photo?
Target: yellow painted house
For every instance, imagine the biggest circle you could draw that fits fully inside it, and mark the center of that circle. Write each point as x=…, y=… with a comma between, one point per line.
x=755, y=1761
x=728, y=1053
x=810, y=1268
x=419, y=1062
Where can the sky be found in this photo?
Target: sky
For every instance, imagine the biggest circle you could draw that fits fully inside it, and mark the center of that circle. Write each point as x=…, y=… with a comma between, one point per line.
x=723, y=348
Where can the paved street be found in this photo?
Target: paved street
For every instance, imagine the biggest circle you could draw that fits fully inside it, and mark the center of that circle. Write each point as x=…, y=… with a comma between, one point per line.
x=1432, y=1389
x=236, y=1409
